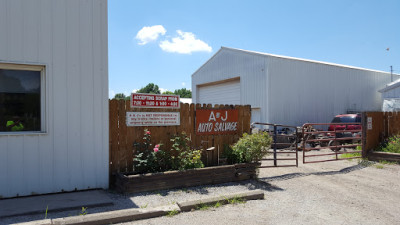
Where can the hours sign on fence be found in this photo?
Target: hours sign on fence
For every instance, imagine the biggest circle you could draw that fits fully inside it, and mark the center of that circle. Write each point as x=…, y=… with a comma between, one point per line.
x=152, y=119
x=139, y=100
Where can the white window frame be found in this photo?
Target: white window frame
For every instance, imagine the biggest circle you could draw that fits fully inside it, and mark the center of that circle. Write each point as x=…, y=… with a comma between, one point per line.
x=43, y=87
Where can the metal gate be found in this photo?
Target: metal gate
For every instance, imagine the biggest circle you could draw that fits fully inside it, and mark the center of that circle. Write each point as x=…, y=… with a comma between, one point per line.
x=284, y=145
x=325, y=142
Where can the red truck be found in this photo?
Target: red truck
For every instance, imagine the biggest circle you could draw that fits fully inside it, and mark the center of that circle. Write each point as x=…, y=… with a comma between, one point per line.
x=345, y=126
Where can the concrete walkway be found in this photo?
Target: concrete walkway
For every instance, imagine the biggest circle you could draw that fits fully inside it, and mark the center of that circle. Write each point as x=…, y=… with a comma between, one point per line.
x=127, y=215
x=54, y=202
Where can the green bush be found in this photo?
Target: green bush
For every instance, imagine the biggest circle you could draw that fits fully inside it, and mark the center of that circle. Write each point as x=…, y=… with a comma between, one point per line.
x=391, y=145
x=183, y=157
x=148, y=159
x=251, y=147
x=229, y=154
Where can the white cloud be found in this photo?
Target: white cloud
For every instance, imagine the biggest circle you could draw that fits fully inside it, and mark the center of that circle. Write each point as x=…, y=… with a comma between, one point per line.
x=148, y=34
x=185, y=43
x=183, y=84
x=111, y=94
x=163, y=90
x=126, y=93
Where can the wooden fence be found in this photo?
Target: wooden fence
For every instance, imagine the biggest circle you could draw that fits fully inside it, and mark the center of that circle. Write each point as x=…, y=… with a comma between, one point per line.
x=122, y=137
x=381, y=126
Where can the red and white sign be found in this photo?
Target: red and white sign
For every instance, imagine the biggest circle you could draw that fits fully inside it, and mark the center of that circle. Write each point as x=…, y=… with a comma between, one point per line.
x=217, y=121
x=139, y=100
x=138, y=119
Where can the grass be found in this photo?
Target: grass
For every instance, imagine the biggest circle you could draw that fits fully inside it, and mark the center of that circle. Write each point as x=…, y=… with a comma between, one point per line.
x=378, y=166
x=381, y=164
x=384, y=162
x=349, y=155
x=144, y=206
x=172, y=213
x=217, y=205
x=236, y=200
x=203, y=206
x=186, y=190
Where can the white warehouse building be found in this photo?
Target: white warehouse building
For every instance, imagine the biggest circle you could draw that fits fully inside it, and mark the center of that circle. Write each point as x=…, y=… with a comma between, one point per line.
x=53, y=96
x=287, y=90
x=391, y=97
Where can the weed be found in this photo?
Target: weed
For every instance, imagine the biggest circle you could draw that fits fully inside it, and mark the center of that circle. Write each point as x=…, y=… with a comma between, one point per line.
x=202, y=206
x=186, y=190
x=392, y=144
x=83, y=211
x=379, y=166
x=172, y=213
x=365, y=162
x=384, y=162
x=45, y=215
x=218, y=204
x=236, y=200
x=144, y=206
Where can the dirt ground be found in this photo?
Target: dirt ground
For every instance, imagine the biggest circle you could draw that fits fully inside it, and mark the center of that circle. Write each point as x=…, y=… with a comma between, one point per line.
x=339, y=192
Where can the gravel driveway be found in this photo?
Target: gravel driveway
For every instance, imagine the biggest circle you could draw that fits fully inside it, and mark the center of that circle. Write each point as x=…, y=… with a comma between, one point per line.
x=340, y=192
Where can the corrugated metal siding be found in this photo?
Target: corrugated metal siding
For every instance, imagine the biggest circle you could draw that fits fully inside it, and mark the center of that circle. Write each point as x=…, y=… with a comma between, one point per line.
x=392, y=93
x=303, y=91
x=222, y=93
x=69, y=37
x=291, y=91
x=229, y=64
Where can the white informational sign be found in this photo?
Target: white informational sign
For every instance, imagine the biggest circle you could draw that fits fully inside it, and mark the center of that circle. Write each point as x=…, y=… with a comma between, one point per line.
x=369, y=123
x=138, y=119
x=391, y=104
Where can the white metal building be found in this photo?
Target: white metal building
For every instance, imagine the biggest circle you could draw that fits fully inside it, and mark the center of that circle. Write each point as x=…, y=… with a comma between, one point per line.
x=54, y=86
x=286, y=90
x=391, y=96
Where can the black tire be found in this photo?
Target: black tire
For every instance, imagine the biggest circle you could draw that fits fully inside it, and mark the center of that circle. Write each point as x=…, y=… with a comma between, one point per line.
x=334, y=143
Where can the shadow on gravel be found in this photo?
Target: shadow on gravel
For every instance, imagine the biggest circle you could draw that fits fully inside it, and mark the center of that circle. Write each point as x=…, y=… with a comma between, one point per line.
x=127, y=201
x=260, y=184
x=289, y=176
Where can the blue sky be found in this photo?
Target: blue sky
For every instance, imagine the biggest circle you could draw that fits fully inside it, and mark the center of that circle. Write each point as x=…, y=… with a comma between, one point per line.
x=164, y=42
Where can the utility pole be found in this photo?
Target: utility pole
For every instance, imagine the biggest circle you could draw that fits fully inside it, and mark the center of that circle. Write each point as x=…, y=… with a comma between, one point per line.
x=391, y=73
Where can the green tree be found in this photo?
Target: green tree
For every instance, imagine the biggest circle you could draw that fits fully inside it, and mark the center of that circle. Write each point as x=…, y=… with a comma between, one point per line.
x=168, y=93
x=183, y=93
x=119, y=96
x=150, y=88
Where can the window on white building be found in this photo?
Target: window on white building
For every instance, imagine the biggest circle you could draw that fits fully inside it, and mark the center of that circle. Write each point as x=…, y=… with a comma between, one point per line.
x=21, y=98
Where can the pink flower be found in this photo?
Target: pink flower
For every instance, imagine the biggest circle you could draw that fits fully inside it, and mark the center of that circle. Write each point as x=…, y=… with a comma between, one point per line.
x=155, y=149
x=148, y=132
x=157, y=146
